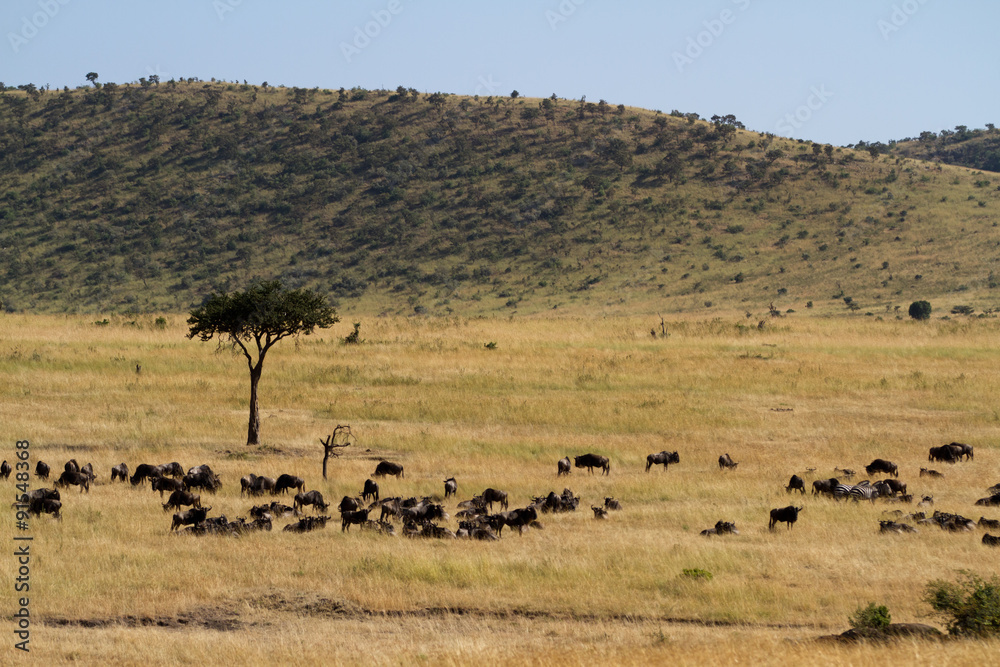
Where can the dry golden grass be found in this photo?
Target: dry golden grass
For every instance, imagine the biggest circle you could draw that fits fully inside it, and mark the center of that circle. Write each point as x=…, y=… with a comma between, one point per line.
x=802, y=393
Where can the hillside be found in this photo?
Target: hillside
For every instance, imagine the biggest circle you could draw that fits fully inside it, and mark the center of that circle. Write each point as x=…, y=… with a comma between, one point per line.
x=147, y=198
x=976, y=149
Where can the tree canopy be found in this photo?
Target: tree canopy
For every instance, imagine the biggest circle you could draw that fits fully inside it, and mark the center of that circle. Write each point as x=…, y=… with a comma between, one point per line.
x=259, y=317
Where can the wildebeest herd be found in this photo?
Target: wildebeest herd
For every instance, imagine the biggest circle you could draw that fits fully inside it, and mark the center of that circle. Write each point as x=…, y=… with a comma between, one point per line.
x=476, y=517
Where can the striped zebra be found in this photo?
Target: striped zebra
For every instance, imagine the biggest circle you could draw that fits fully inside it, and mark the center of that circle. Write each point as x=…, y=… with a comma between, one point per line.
x=861, y=491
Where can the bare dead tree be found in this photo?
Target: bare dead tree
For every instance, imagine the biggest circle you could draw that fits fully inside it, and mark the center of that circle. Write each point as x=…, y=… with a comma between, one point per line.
x=330, y=445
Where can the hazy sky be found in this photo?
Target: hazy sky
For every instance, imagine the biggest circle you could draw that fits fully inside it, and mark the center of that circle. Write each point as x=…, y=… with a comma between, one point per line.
x=834, y=71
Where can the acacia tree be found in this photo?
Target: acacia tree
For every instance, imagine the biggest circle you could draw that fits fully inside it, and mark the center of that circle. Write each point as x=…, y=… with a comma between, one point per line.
x=260, y=316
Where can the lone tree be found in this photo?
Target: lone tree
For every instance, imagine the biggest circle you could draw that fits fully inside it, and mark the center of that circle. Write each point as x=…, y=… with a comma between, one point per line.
x=92, y=77
x=260, y=316
x=920, y=310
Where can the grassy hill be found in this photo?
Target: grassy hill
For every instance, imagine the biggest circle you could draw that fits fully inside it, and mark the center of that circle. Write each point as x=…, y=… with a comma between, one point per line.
x=147, y=198
x=976, y=149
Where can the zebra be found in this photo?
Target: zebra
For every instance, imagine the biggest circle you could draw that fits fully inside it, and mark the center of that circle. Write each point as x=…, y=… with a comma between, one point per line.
x=864, y=492
x=842, y=491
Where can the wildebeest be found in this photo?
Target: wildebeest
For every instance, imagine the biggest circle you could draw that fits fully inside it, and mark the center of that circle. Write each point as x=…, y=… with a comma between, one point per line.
x=370, y=491
x=825, y=486
x=42, y=470
x=563, y=466
x=314, y=498
x=246, y=484
x=450, y=487
x=520, y=518
x=71, y=466
x=726, y=462
x=893, y=527
x=787, y=515
x=355, y=517
x=845, y=472
x=961, y=450
x=191, y=517
x=721, y=528
x=992, y=501
x=5, y=470
x=924, y=472
x=162, y=484
x=88, y=470
x=286, y=482
x=203, y=480
x=181, y=498
x=143, y=471
x=591, y=461
x=890, y=487
x=882, y=466
x=203, y=469
x=796, y=484
x=262, y=485
x=39, y=506
x=42, y=493
x=348, y=504
x=491, y=496
x=926, y=501
x=170, y=469
x=991, y=540
x=943, y=453
x=119, y=472
x=993, y=489
x=76, y=479
x=664, y=457
x=612, y=504
x=305, y=524
x=599, y=512
x=989, y=524
x=388, y=468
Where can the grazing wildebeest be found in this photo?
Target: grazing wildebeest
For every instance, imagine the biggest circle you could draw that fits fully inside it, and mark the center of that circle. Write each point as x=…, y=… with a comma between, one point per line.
x=42, y=470
x=846, y=472
x=893, y=527
x=246, y=484
x=612, y=504
x=924, y=472
x=181, y=498
x=388, y=468
x=370, y=491
x=721, y=528
x=162, y=484
x=926, y=501
x=39, y=506
x=203, y=469
x=71, y=466
x=348, y=504
x=491, y=496
x=890, y=487
x=991, y=540
x=664, y=457
x=943, y=453
x=882, y=466
x=520, y=518
x=825, y=486
x=355, y=517
x=993, y=489
x=119, y=472
x=591, y=461
x=76, y=479
x=960, y=450
x=191, y=517
x=143, y=471
x=989, y=524
x=5, y=470
x=599, y=512
x=88, y=470
x=796, y=484
x=286, y=482
x=725, y=461
x=262, y=485
x=43, y=493
x=788, y=515
x=563, y=466
x=992, y=501
x=450, y=487
x=170, y=469
x=204, y=480
x=314, y=498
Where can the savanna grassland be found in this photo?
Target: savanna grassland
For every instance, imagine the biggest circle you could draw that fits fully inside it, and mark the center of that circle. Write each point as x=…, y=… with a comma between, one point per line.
x=110, y=585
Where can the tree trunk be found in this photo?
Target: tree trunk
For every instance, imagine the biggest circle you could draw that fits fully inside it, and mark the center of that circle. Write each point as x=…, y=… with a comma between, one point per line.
x=253, y=430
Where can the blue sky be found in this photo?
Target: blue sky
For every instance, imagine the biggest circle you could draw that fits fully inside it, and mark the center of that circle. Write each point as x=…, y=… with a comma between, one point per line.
x=835, y=72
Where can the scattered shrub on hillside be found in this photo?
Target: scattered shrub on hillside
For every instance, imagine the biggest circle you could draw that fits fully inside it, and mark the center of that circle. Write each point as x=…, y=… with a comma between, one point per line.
x=962, y=310
x=972, y=604
x=490, y=345
x=872, y=617
x=697, y=573
x=920, y=310
x=354, y=338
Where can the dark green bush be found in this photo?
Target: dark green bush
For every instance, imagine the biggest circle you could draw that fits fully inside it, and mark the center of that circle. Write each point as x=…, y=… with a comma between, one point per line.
x=872, y=617
x=920, y=310
x=972, y=605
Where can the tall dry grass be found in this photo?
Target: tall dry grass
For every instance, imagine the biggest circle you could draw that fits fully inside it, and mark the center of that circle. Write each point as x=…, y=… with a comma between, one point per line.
x=802, y=393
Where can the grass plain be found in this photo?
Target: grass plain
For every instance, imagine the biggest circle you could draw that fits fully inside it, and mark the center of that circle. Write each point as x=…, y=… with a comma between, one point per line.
x=110, y=584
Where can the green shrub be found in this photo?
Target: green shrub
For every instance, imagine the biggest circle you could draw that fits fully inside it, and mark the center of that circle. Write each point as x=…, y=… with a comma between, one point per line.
x=920, y=310
x=972, y=604
x=696, y=573
x=872, y=617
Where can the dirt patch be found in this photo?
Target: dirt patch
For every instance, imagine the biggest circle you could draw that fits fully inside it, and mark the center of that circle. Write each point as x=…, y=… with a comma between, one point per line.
x=211, y=618
x=307, y=605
